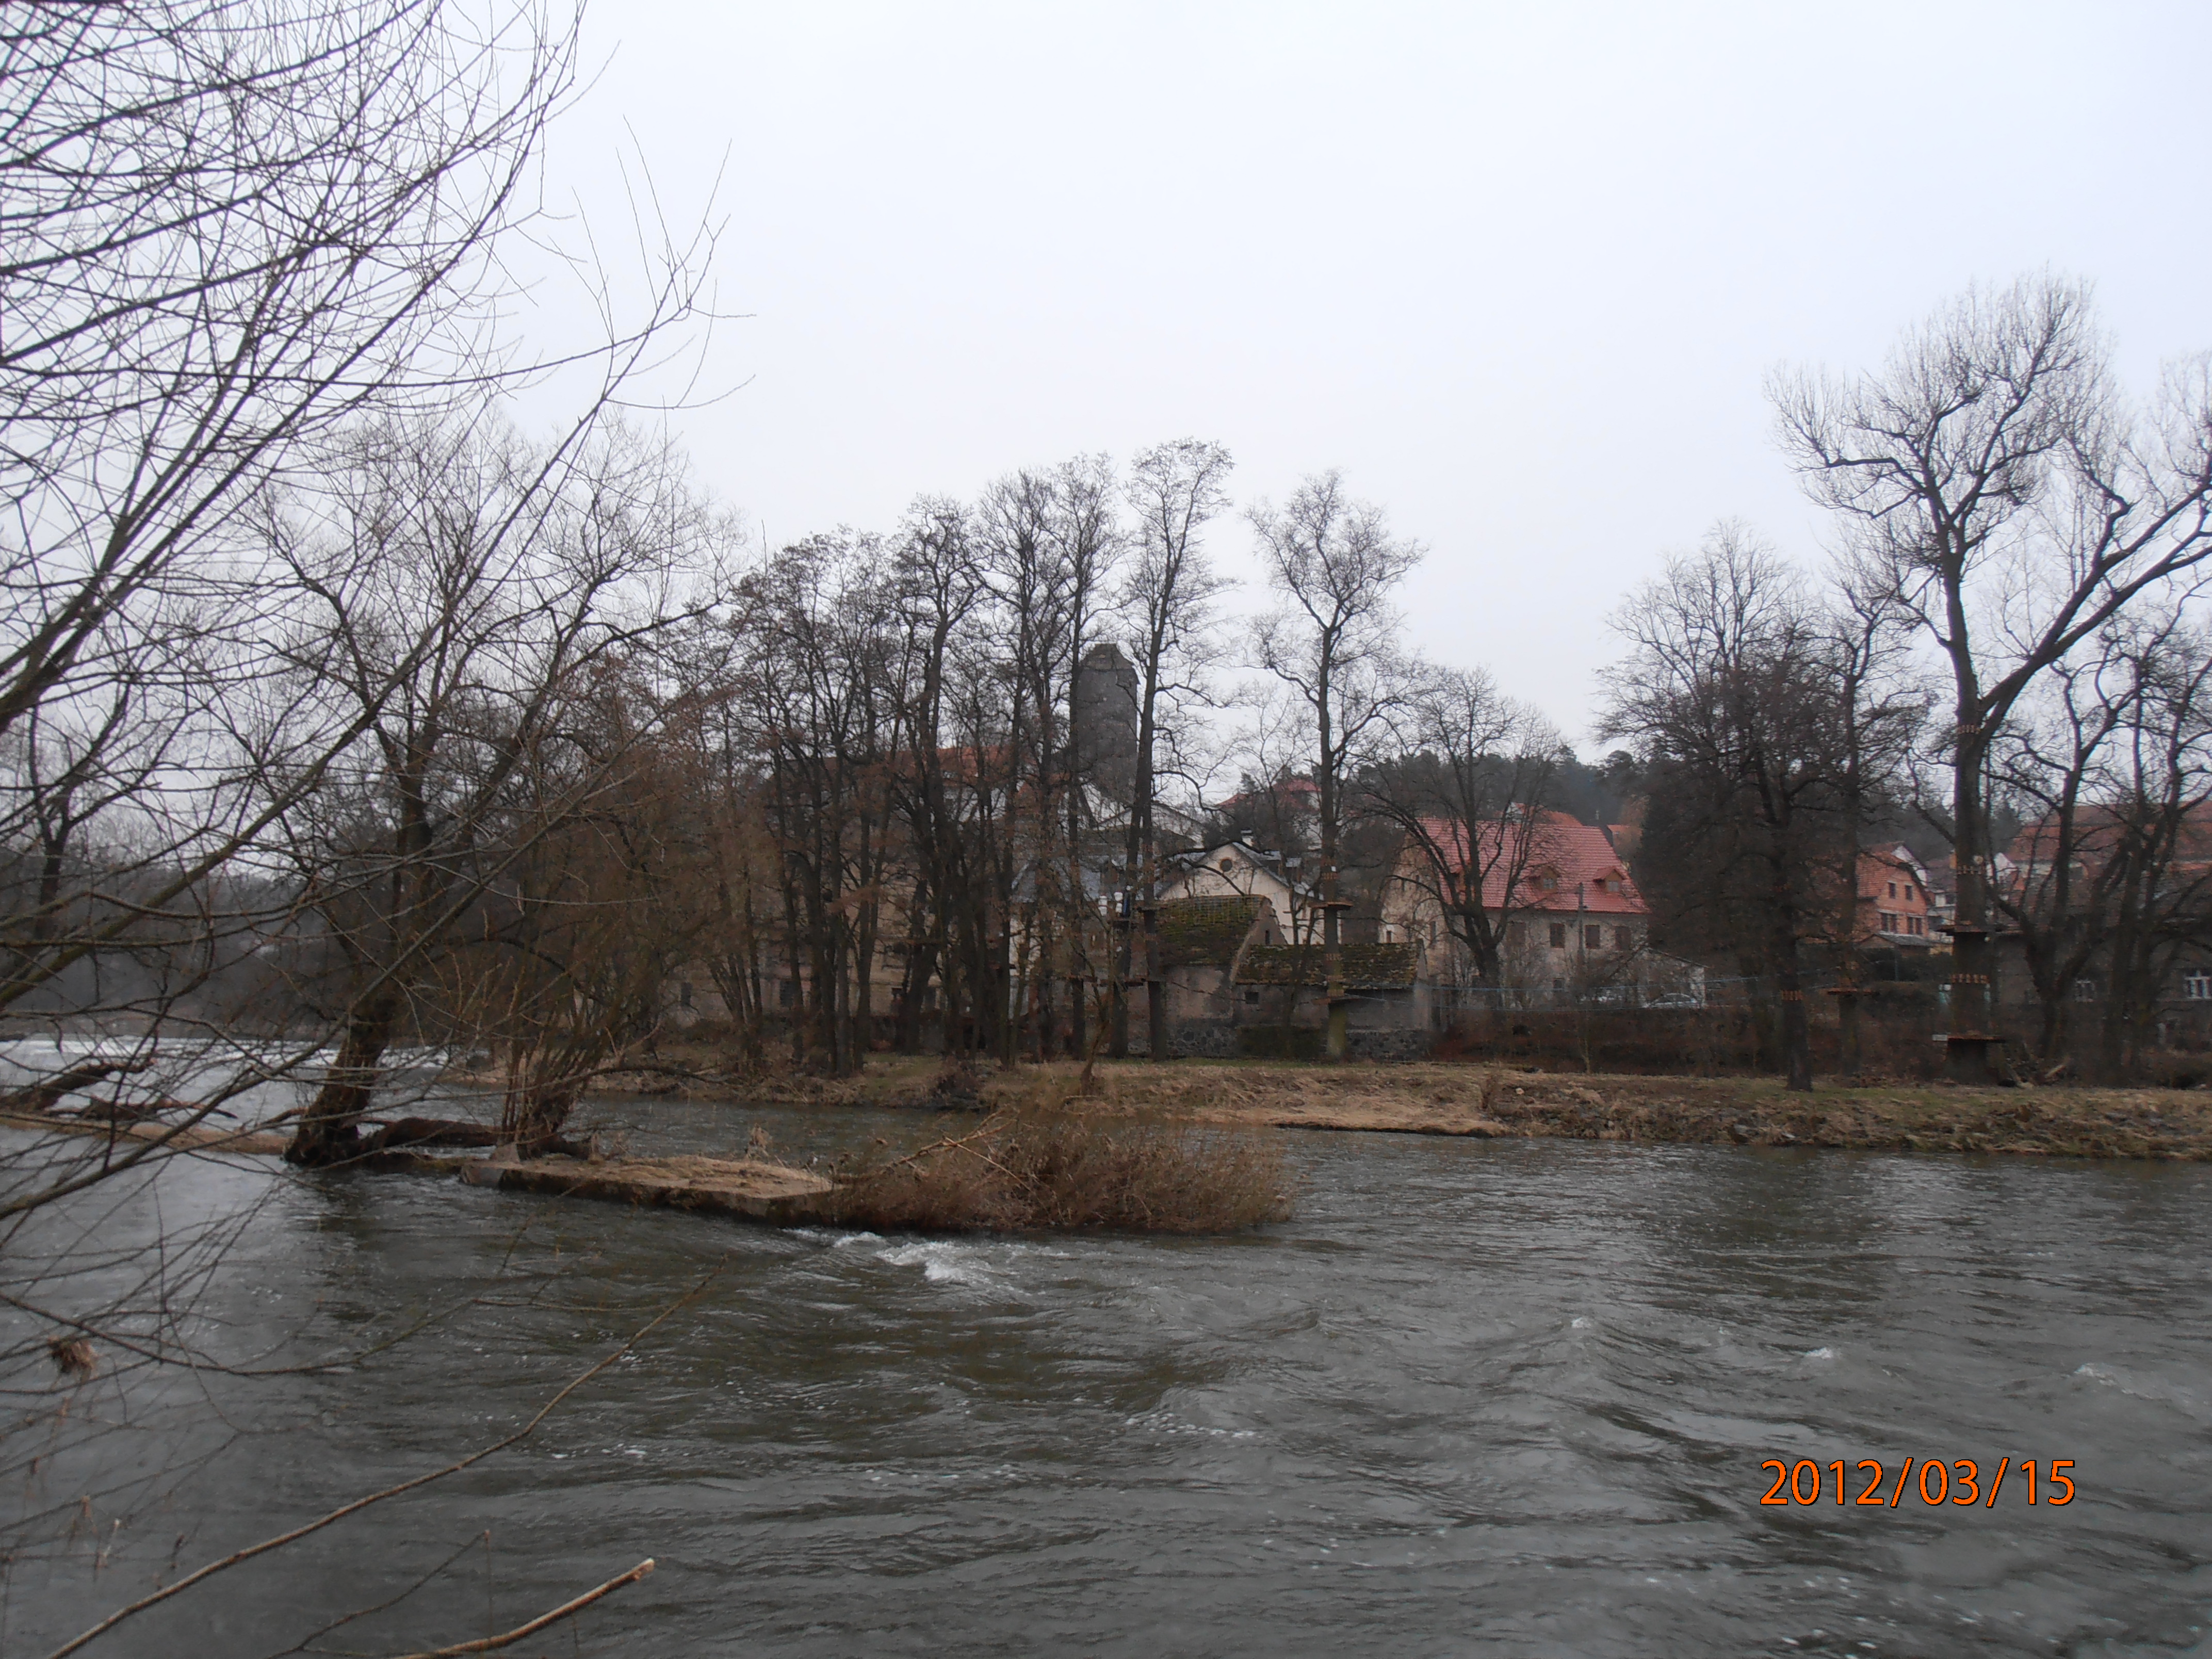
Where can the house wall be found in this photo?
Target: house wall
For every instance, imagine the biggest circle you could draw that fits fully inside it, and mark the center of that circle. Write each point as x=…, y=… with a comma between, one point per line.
x=1294, y=921
x=1892, y=901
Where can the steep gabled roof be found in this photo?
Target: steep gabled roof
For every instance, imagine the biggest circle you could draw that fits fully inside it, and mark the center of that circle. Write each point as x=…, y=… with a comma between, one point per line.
x=1207, y=933
x=2098, y=832
x=1582, y=857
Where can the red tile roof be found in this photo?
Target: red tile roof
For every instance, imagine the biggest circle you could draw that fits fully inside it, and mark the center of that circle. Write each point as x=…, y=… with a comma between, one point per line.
x=1574, y=854
x=2099, y=831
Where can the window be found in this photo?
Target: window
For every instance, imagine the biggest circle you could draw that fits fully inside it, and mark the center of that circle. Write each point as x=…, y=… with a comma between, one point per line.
x=1227, y=865
x=1593, y=939
x=1253, y=998
x=2085, y=990
x=1558, y=984
x=1550, y=883
x=1558, y=936
x=2197, y=988
x=1909, y=893
x=684, y=995
x=1624, y=938
x=1892, y=890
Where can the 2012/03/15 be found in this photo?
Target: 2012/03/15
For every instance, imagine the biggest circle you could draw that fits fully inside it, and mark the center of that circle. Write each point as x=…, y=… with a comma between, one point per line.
x=1936, y=1484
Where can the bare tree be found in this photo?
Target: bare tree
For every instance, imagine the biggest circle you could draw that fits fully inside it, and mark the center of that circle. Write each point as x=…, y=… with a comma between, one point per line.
x=1468, y=796
x=468, y=589
x=2110, y=761
x=2162, y=814
x=937, y=588
x=1331, y=641
x=1729, y=692
x=1092, y=543
x=2050, y=762
x=234, y=231
x=1883, y=709
x=241, y=237
x=1174, y=489
x=1033, y=583
x=822, y=710
x=2019, y=503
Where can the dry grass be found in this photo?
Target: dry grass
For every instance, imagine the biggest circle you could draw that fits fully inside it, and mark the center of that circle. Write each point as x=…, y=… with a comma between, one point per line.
x=1042, y=1164
x=1450, y=1098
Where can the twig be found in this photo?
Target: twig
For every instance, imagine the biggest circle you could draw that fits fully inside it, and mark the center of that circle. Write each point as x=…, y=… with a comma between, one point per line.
x=488, y=1644
x=301, y=1646
x=360, y=1504
x=946, y=1145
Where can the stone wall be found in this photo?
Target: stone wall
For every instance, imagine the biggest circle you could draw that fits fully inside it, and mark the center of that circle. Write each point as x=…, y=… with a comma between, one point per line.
x=1223, y=1040
x=1188, y=1039
x=1392, y=1045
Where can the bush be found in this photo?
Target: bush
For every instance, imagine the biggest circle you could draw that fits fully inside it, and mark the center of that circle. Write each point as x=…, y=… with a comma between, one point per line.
x=1050, y=1166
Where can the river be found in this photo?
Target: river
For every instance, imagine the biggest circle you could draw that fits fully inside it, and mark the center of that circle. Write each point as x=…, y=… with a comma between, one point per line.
x=1506, y=1397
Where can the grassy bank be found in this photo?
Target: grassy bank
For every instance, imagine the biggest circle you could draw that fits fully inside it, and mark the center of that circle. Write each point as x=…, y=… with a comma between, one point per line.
x=1457, y=1098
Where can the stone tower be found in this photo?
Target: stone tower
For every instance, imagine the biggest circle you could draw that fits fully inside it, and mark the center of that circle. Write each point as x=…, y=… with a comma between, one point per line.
x=1106, y=720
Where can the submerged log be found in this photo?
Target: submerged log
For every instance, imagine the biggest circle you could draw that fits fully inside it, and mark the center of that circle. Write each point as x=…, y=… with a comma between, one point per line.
x=178, y=1137
x=31, y=1100
x=716, y=1186
x=431, y=1132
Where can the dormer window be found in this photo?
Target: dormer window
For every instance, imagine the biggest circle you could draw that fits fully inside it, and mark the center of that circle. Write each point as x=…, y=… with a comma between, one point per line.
x=1548, y=882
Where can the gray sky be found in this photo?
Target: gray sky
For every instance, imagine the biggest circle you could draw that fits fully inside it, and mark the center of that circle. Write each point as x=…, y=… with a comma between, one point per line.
x=1517, y=270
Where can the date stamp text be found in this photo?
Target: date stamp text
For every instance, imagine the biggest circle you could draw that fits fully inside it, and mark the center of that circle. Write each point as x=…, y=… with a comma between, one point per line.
x=1932, y=1481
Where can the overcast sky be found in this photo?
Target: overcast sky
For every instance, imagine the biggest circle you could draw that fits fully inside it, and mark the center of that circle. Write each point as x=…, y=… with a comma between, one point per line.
x=1518, y=271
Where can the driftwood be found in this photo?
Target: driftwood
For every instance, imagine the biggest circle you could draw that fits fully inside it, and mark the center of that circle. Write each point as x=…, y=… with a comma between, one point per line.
x=119, y=1111
x=745, y=1187
x=36, y=1099
x=431, y=1132
x=172, y=1137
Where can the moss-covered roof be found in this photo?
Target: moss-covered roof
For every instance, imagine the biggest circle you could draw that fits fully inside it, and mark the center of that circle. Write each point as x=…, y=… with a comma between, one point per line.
x=1205, y=933
x=1366, y=967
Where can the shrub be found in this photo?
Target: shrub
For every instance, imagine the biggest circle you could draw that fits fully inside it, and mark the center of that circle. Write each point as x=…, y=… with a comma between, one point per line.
x=1048, y=1166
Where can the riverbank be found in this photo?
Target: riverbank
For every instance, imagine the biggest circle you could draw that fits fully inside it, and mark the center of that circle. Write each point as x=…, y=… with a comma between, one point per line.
x=1458, y=1098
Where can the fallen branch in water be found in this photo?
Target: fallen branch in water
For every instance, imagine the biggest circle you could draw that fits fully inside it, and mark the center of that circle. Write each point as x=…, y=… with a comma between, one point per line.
x=237, y=1557
x=35, y=1098
x=402, y=1132
x=491, y=1643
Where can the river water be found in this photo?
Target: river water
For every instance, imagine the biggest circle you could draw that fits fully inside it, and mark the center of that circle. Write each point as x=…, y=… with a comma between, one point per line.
x=1504, y=1397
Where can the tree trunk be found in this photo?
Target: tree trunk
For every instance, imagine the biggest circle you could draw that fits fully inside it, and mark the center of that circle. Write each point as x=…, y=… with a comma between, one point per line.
x=328, y=1132
x=1796, y=1031
x=1117, y=990
x=1339, y=1040
x=1156, y=990
x=1972, y=949
x=1848, y=1060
